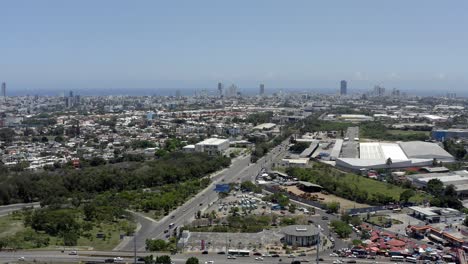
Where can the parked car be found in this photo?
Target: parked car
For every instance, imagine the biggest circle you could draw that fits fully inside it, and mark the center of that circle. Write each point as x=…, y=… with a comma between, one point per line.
x=205, y=252
x=73, y=252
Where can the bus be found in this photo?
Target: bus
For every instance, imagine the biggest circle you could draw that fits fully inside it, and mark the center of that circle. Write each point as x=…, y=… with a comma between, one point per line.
x=239, y=252
x=411, y=259
x=397, y=258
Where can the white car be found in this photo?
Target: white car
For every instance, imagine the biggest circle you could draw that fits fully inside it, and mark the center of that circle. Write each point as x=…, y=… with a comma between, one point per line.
x=209, y=262
x=118, y=259
x=291, y=256
x=333, y=255
x=231, y=257
x=73, y=252
x=21, y=259
x=259, y=258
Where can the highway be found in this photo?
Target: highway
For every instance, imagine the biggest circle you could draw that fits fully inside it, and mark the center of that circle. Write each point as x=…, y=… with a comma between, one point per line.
x=240, y=170
x=7, y=209
x=57, y=256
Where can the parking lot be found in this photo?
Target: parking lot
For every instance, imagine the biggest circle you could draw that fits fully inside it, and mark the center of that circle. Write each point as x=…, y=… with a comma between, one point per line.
x=350, y=145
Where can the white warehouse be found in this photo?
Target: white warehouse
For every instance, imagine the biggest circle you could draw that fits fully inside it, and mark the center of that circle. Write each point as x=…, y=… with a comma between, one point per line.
x=212, y=146
x=376, y=155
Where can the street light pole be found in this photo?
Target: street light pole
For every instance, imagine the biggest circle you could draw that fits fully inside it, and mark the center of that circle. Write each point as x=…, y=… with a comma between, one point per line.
x=318, y=246
x=134, y=248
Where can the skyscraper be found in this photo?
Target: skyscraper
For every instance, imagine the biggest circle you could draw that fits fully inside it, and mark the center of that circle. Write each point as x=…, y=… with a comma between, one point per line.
x=4, y=89
x=220, y=89
x=70, y=94
x=262, y=89
x=343, y=87
x=379, y=91
x=232, y=91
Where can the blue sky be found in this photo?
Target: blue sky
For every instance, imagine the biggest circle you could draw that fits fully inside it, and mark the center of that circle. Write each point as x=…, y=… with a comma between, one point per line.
x=411, y=45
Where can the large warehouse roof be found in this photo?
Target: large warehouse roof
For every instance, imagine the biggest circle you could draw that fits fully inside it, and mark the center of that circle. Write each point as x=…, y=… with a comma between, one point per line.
x=374, y=155
x=384, y=151
x=424, y=150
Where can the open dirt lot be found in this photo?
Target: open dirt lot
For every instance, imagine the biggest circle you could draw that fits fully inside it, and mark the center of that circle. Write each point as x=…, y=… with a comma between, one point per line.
x=326, y=198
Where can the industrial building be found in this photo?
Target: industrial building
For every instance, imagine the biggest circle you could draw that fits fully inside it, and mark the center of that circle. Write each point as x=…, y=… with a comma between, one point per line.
x=296, y=163
x=265, y=126
x=380, y=155
x=355, y=118
x=459, y=179
x=437, y=215
x=308, y=151
x=301, y=235
x=445, y=134
x=212, y=146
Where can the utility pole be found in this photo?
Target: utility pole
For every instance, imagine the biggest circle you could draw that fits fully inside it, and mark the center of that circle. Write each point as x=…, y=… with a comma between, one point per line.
x=134, y=248
x=318, y=246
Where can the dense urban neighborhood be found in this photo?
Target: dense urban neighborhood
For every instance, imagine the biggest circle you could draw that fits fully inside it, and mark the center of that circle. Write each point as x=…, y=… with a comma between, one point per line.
x=278, y=177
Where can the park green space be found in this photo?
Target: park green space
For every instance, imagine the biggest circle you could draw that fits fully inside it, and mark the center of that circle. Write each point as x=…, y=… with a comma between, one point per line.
x=13, y=231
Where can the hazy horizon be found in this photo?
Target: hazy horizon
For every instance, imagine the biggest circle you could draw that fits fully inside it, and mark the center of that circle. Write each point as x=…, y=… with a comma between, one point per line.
x=249, y=91
x=409, y=45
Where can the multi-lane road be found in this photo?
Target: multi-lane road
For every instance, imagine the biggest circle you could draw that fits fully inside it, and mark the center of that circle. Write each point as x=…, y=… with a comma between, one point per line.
x=56, y=256
x=241, y=169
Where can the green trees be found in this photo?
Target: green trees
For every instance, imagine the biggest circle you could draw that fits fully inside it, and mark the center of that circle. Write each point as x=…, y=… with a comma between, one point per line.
x=279, y=198
x=259, y=118
x=7, y=134
x=456, y=149
x=136, y=144
x=89, y=181
x=333, y=207
x=192, y=260
x=299, y=147
x=350, y=186
x=164, y=259
x=60, y=223
x=312, y=124
x=341, y=228
x=160, y=245
x=156, y=245
x=250, y=187
x=378, y=130
x=435, y=187
x=443, y=197
x=406, y=195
